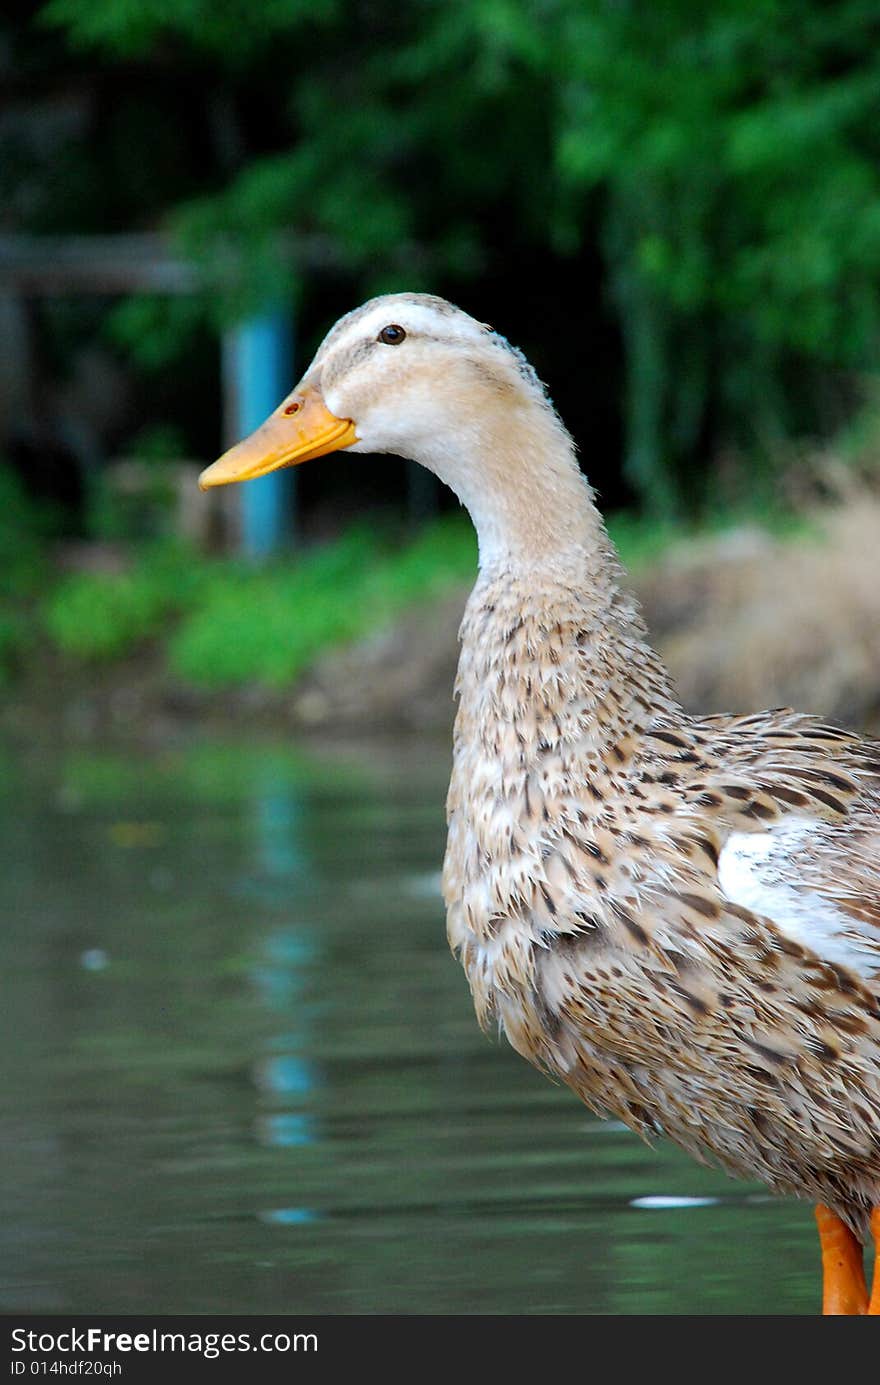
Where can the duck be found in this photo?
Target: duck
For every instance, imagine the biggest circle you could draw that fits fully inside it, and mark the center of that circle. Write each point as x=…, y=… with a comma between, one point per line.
x=677, y=916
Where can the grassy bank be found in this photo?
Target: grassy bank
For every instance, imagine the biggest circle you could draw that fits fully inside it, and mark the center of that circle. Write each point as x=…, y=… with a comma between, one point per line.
x=225, y=623
x=211, y=624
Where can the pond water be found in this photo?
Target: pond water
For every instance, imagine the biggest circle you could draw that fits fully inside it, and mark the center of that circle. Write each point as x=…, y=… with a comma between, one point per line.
x=241, y=1072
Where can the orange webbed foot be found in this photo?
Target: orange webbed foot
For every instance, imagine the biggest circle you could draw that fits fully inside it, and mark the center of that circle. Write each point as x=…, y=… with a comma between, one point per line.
x=844, y=1290
x=874, y=1305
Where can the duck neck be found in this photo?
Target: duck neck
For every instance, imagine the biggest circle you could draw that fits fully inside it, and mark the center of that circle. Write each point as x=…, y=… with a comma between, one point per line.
x=549, y=570
x=517, y=475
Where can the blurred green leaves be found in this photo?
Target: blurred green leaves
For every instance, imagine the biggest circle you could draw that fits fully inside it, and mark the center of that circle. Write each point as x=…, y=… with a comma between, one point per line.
x=723, y=160
x=25, y=524
x=231, y=31
x=268, y=626
x=737, y=149
x=100, y=616
x=227, y=624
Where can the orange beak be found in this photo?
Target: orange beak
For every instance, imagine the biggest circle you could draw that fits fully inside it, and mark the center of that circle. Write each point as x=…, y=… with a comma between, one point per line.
x=300, y=428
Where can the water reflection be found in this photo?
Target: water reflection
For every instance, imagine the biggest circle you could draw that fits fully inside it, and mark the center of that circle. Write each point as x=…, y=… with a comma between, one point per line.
x=240, y=1071
x=286, y=1075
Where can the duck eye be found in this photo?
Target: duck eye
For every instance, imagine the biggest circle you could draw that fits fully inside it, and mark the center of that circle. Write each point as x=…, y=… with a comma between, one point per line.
x=392, y=335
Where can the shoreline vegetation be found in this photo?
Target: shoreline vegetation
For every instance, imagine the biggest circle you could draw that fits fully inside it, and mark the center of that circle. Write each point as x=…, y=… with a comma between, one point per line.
x=360, y=634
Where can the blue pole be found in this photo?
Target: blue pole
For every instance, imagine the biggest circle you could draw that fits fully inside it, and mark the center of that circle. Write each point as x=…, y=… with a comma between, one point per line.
x=258, y=370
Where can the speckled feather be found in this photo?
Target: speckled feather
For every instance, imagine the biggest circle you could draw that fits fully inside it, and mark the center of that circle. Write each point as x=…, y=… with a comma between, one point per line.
x=587, y=817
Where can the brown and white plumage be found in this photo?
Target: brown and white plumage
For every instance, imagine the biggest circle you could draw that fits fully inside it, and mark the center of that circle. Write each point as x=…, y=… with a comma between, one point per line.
x=677, y=916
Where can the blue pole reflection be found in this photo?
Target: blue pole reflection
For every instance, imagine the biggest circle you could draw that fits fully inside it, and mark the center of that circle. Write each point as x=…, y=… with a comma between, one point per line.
x=285, y=1074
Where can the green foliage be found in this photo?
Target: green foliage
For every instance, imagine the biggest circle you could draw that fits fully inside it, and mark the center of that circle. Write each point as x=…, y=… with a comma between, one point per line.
x=739, y=151
x=724, y=160
x=98, y=616
x=230, y=624
x=157, y=444
x=267, y=626
x=232, y=31
x=133, y=514
x=15, y=639
x=443, y=554
x=136, y=499
x=224, y=625
x=24, y=526
x=157, y=330
x=640, y=541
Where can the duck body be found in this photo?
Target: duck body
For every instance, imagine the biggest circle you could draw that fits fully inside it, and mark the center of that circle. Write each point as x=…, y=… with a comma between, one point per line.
x=601, y=843
x=677, y=916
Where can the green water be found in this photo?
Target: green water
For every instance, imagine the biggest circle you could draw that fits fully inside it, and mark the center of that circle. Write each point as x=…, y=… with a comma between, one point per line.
x=241, y=1072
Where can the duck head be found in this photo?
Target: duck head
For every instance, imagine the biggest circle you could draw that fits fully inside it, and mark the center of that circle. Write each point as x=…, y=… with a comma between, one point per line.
x=411, y=374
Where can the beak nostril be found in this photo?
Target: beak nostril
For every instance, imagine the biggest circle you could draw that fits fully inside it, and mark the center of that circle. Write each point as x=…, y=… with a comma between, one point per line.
x=293, y=408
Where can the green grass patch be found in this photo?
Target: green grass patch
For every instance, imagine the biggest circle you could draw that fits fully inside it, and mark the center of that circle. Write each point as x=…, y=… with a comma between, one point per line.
x=639, y=541
x=226, y=623
x=100, y=616
x=267, y=626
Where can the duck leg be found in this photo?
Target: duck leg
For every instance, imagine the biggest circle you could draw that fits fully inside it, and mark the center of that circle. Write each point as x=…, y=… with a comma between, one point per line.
x=874, y=1305
x=844, y=1291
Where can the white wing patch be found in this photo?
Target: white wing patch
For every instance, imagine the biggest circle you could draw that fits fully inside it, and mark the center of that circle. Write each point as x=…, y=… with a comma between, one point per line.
x=767, y=873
